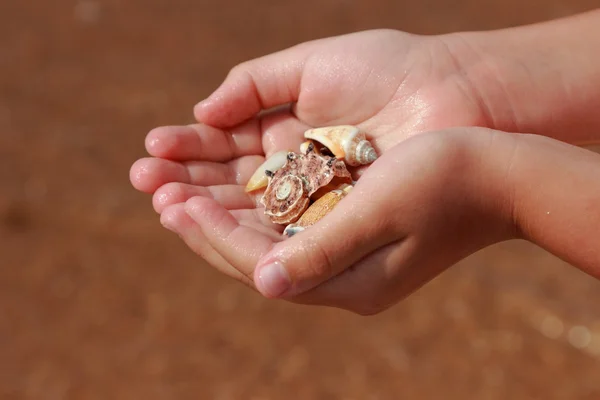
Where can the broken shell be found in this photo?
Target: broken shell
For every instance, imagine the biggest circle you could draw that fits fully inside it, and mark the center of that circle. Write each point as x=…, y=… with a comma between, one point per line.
x=318, y=210
x=335, y=183
x=260, y=178
x=289, y=189
x=346, y=142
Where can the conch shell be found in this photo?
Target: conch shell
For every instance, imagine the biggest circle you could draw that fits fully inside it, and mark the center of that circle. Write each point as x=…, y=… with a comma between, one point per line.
x=318, y=210
x=346, y=142
x=260, y=179
x=289, y=188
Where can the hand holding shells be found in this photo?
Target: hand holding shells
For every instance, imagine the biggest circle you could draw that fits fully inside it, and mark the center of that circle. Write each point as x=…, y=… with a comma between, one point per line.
x=199, y=172
x=417, y=210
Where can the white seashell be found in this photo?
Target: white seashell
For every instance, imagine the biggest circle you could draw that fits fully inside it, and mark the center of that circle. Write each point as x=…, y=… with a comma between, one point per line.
x=346, y=142
x=260, y=178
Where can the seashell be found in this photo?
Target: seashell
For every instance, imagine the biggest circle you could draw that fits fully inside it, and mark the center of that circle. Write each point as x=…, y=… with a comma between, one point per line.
x=335, y=183
x=304, y=147
x=289, y=188
x=318, y=210
x=259, y=179
x=346, y=142
x=286, y=199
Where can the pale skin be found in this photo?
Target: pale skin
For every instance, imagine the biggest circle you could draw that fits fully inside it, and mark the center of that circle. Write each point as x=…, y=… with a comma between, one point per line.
x=450, y=179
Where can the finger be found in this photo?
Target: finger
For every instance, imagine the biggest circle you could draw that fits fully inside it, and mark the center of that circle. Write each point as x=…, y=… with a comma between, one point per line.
x=203, y=142
x=231, y=197
x=353, y=229
x=256, y=85
x=280, y=131
x=149, y=174
x=175, y=219
x=257, y=219
x=252, y=217
x=264, y=135
x=238, y=244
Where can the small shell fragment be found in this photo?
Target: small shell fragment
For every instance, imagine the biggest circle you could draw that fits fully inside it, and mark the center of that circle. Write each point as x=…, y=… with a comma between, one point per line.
x=318, y=210
x=346, y=142
x=259, y=179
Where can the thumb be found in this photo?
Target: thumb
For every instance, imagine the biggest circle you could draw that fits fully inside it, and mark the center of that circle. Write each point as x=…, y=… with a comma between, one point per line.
x=255, y=85
x=352, y=230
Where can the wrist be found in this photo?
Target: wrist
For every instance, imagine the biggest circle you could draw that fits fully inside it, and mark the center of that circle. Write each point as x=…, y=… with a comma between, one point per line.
x=541, y=78
x=474, y=182
x=491, y=191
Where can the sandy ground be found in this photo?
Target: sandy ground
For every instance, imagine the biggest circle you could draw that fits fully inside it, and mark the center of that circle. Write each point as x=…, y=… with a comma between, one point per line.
x=97, y=301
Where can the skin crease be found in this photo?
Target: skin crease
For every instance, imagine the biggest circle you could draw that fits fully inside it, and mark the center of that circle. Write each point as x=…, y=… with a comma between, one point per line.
x=455, y=190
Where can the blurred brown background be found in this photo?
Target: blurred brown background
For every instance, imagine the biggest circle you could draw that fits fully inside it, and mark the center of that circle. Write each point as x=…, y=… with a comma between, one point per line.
x=98, y=301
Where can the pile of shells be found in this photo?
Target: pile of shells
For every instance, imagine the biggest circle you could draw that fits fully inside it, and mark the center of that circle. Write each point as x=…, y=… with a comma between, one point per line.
x=302, y=187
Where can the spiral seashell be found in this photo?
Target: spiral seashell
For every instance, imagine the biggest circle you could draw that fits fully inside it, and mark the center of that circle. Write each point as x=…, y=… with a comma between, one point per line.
x=289, y=188
x=287, y=199
x=318, y=210
x=259, y=179
x=345, y=142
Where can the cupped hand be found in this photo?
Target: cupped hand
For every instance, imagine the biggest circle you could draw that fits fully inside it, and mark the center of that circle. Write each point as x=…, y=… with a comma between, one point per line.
x=427, y=203
x=390, y=84
x=421, y=207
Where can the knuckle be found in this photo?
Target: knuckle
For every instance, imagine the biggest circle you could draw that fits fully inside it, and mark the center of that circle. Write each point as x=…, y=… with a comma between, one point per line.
x=318, y=260
x=242, y=68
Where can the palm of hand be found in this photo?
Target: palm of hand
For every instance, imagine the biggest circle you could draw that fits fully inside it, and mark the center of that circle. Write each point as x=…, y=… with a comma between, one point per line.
x=390, y=84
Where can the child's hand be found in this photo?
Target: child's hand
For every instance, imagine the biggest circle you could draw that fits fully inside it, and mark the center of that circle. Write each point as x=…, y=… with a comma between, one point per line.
x=384, y=81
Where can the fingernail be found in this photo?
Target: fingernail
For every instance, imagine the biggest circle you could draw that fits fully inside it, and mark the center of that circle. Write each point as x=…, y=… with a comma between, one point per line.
x=273, y=280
